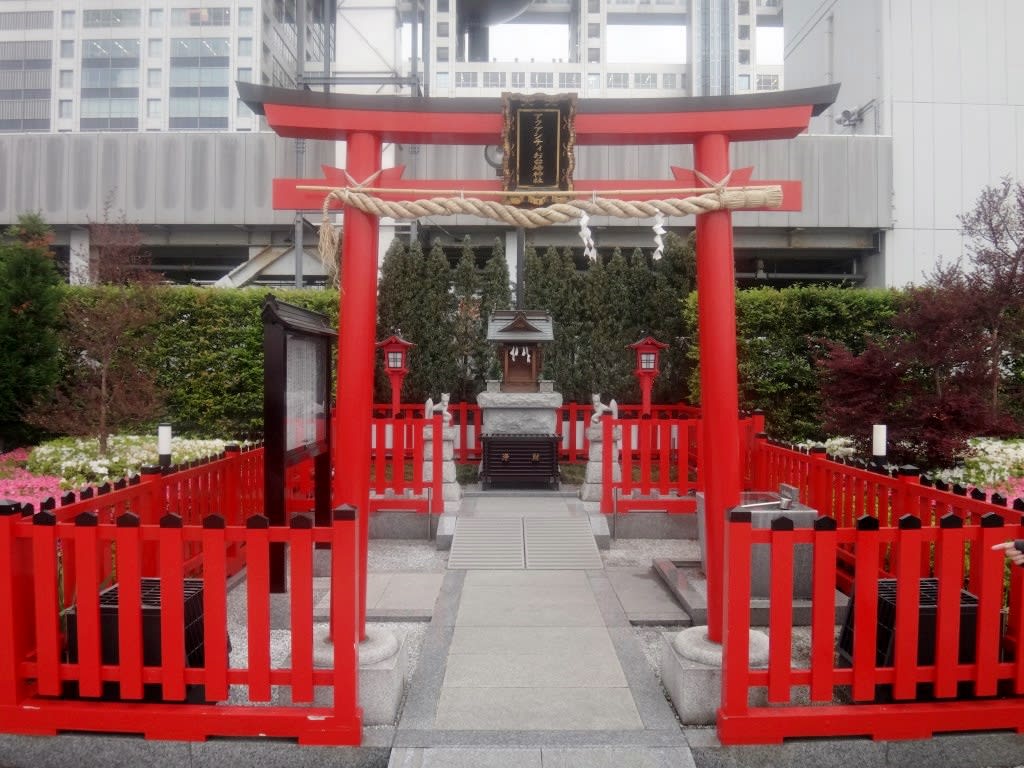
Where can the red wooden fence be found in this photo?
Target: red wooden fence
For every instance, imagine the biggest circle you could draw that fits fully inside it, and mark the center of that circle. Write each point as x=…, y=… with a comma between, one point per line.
x=571, y=425
x=50, y=675
x=888, y=654
x=399, y=479
x=661, y=462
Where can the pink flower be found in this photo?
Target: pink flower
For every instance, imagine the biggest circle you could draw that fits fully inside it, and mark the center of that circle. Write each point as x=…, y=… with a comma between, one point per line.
x=19, y=485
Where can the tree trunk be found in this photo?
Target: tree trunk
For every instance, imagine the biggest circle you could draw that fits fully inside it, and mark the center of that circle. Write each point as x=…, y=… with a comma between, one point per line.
x=103, y=409
x=995, y=374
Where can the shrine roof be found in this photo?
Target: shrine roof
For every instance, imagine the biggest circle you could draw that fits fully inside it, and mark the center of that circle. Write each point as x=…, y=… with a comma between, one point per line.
x=478, y=120
x=516, y=326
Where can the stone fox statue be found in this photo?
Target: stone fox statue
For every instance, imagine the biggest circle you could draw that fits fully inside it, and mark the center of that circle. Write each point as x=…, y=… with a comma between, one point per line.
x=429, y=409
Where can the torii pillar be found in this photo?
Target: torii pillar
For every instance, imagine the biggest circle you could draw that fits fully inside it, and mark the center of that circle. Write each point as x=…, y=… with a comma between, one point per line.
x=708, y=123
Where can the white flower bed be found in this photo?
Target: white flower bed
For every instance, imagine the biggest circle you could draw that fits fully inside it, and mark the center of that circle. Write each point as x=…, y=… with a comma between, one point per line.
x=990, y=463
x=78, y=463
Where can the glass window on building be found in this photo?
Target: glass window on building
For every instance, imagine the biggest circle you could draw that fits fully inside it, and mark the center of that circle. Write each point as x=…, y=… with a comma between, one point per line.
x=155, y=48
x=245, y=17
x=18, y=21
x=767, y=82
x=67, y=19
x=668, y=81
x=743, y=83
x=442, y=80
x=245, y=74
x=156, y=17
x=494, y=79
x=201, y=17
x=618, y=80
x=110, y=84
x=26, y=83
x=743, y=8
x=542, y=79
x=111, y=17
x=442, y=6
x=67, y=78
x=154, y=78
x=242, y=110
x=65, y=108
x=518, y=79
x=154, y=108
x=744, y=56
x=442, y=53
x=593, y=6
x=245, y=46
x=199, y=80
x=744, y=32
x=593, y=82
x=570, y=79
x=67, y=49
x=593, y=30
x=593, y=55
x=442, y=29
x=645, y=80
x=465, y=80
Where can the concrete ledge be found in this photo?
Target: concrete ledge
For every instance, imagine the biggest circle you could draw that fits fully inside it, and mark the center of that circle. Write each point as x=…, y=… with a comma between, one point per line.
x=653, y=525
x=400, y=525
x=602, y=536
x=445, y=530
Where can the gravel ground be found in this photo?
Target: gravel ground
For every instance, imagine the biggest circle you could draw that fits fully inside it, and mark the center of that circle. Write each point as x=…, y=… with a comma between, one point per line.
x=406, y=555
x=637, y=553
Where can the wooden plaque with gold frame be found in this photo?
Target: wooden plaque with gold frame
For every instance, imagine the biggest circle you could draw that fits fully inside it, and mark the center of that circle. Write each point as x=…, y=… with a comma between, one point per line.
x=538, y=139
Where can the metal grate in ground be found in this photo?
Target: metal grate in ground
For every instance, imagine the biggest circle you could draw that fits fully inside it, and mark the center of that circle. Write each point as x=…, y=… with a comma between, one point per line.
x=487, y=543
x=560, y=543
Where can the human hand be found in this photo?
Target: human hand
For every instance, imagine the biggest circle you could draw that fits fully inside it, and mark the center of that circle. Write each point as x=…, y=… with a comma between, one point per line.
x=1014, y=550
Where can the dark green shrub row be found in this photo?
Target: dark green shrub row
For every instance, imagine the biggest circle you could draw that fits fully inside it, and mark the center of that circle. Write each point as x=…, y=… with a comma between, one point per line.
x=779, y=339
x=208, y=355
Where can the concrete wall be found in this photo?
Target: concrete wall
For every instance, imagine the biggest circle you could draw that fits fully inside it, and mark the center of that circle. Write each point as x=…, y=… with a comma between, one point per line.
x=846, y=179
x=951, y=91
x=155, y=178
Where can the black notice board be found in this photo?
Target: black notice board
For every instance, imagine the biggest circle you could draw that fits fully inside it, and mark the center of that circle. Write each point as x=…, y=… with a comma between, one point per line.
x=297, y=352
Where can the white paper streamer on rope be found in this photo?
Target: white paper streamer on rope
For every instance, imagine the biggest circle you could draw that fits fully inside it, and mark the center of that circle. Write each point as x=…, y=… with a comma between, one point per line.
x=588, y=242
x=659, y=243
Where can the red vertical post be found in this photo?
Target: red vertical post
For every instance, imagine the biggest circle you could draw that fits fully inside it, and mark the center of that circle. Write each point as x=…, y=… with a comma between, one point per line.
x=716, y=312
x=357, y=328
x=607, y=465
x=821, y=488
x=15, y=601
x=437, y=461
x=345, y=630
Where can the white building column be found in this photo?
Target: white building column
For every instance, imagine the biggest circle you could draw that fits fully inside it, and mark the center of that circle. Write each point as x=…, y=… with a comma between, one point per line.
x=78, y=259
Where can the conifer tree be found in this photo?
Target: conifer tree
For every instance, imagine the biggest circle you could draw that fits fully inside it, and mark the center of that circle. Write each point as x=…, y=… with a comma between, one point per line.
x=30, y=297
x=395, y=305
x=432, y=361
x=467, y=322
x=534, y=296
x=494, y=294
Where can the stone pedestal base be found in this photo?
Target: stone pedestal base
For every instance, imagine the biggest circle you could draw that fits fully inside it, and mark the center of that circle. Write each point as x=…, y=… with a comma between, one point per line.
x=451, y=490
x=383, y=665
x=590, y=491
x=691, y=670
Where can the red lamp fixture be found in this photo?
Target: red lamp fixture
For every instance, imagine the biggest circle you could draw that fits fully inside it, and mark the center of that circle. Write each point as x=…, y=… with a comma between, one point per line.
x=648, y=353
x=396, y=366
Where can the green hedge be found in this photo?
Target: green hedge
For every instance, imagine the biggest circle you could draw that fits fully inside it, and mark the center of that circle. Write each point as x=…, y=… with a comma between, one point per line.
x=778, y=333
x=208, y=355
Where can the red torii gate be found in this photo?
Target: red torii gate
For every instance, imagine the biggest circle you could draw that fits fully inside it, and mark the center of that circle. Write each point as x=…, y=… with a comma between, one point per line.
x=710, y=124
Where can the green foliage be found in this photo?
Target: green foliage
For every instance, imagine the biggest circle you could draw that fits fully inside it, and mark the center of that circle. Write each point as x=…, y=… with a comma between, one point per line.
x=469, y=328
x=30, y=295
x=431, y=326
x=494, y=294
x=779, y=337
x=208, y=355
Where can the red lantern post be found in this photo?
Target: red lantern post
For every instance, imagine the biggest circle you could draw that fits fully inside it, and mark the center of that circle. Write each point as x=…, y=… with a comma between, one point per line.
x=648, y=352
x=396, y=366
